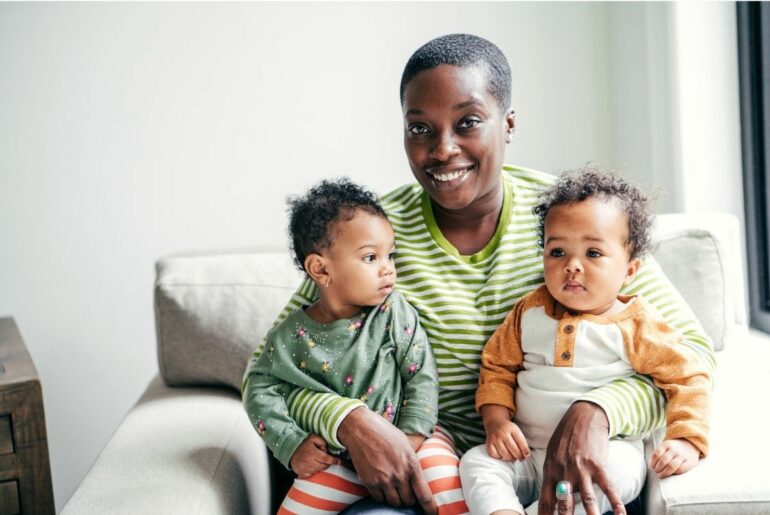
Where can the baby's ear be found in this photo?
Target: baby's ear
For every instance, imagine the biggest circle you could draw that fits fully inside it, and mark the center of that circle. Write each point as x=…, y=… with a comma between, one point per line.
x=315, y=267
x=631, y=270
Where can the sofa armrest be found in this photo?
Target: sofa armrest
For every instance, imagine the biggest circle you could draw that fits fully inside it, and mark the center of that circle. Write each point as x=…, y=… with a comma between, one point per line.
x=179, y=450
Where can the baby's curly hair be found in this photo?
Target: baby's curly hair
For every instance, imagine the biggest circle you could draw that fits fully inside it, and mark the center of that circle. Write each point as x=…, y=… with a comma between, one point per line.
x=312, y=216
x=590, y=182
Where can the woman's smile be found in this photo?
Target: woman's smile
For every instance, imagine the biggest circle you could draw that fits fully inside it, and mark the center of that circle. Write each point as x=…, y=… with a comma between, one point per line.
x=449, y=175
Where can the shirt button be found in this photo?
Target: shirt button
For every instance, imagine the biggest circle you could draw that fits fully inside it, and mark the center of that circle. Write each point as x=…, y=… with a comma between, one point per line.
x=569, y=328
x=566, y=355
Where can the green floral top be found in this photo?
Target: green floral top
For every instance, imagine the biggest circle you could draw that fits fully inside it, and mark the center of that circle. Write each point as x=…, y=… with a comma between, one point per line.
x=380, y=356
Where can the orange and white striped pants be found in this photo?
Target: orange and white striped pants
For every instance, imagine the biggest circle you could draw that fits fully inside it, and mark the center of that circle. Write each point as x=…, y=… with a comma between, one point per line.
x=334, y=489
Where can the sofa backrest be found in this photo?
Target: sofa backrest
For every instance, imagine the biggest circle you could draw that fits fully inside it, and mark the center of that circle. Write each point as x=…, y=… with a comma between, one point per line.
x=212, y=311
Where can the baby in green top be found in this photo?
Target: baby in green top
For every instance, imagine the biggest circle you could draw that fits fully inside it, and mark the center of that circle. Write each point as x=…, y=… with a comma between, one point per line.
x=359, y=339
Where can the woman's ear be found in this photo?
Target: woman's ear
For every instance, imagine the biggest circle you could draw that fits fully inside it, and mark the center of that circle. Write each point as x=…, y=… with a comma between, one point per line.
x=510, y=125
x=633, y=267
x=315, y=267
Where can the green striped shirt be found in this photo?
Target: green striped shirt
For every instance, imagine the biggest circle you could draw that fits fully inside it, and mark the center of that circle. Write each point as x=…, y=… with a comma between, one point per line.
x=462, y=299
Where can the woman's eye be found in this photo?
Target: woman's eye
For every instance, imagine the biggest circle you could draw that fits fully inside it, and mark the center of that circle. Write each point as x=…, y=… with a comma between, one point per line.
x=469, y=123
x=593, y=254
x=417, y=129
x=369, y=258
x=557, y=253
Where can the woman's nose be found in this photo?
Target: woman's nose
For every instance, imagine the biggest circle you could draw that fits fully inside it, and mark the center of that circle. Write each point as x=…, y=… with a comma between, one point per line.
x=445, y=146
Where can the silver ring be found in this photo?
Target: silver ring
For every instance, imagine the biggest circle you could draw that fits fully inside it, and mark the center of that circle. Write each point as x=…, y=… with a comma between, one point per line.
x=563, y=490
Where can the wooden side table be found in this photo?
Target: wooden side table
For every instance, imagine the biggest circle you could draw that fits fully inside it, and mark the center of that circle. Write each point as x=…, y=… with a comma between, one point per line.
x=25, y=472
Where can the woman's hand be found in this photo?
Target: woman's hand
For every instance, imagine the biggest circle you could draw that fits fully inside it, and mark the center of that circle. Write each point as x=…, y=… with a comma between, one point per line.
x=384, y=460
x=311, y=457
x=577, y=452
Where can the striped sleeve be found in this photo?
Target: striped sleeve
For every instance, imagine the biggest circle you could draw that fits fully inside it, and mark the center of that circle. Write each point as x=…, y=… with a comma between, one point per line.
x=634, y=405
x=315, y=412
x=321, y=413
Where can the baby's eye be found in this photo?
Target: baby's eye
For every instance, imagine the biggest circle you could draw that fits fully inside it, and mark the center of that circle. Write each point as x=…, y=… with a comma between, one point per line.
x=392, y=256
x=557, y=252
x=417, y=129
x=593, y=254
x=469, y=123
x=369, y=258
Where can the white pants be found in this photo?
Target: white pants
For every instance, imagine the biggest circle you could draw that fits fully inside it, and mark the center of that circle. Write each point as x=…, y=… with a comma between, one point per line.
x=490, y=484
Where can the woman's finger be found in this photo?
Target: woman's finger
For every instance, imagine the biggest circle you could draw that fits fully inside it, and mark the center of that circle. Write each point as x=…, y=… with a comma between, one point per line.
x=588, y=495
x=603, y=481
x=552, y=472
x=565, y=501
x=422, y=493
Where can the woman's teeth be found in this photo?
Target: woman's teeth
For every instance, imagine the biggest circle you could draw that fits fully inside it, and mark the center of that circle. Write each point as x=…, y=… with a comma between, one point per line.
x=450, y=176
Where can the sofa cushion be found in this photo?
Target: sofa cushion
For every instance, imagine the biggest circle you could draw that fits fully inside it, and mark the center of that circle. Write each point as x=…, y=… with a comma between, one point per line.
x=701, y=255
x=211, y=312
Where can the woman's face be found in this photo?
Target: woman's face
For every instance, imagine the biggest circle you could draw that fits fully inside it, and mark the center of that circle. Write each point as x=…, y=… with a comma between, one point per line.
x=455, y=135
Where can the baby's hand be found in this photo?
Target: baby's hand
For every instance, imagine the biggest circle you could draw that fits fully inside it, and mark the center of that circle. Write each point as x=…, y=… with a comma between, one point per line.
x=506, y=442
x=311, y=457
x=416, y=441
x=674, y=457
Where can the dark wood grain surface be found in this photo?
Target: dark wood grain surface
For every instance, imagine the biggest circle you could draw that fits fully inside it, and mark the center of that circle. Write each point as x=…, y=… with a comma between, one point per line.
x=25, y=472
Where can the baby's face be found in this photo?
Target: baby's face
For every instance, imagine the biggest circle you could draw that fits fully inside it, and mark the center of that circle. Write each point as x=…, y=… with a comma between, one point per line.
x=586, y=260
x=361, y=262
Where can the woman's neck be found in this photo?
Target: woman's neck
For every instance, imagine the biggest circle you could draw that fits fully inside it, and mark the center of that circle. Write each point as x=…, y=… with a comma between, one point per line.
x=470, y=229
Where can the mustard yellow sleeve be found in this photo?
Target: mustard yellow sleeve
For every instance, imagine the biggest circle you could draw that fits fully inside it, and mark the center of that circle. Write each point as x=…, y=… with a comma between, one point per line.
x=653, y=349
x=501, y=360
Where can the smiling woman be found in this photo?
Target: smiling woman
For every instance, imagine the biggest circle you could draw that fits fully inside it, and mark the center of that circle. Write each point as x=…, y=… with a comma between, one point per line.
x=466, y=238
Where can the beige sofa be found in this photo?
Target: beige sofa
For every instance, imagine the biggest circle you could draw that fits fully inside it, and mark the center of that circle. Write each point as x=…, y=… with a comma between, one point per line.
x=187, y=447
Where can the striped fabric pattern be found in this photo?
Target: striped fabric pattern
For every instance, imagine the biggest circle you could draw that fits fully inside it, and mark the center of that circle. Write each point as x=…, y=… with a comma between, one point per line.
x=462, y=299
x=334, y=489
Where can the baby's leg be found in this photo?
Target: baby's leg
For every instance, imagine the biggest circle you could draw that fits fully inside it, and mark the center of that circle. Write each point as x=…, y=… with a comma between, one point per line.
x=490, y=484
x=626, y=469
x=327, y=492
x=440, y=464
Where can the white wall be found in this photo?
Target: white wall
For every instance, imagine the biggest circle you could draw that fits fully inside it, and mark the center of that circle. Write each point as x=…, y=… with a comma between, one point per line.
x=130, y=131
x=675, y=102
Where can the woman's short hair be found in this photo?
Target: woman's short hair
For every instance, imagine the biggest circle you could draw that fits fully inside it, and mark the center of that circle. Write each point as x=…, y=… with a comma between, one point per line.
x=467, y=51
x=591, y=182
x=312, y=216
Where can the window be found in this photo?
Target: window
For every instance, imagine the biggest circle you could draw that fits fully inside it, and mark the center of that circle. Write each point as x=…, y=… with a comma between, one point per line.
x=754, y=63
